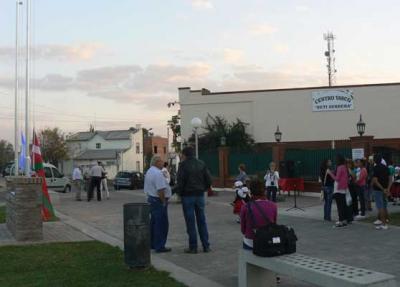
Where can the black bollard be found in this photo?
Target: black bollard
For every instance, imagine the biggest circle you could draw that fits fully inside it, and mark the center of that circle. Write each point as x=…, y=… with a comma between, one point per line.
x=137, y=234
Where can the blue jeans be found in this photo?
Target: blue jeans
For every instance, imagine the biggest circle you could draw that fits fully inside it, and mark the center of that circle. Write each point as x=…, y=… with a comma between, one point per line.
x=328, y=197
x=159, y=224
x=380, y=199
x=193, y=211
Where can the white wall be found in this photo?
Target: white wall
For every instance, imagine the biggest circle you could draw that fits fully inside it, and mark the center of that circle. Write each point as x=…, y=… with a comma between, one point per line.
x=292, y=110
x=108, y=144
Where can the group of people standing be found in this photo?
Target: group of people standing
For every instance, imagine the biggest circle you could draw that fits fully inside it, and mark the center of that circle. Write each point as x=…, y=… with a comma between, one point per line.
x=193, y=180
x=97, y=177
x=353, y=185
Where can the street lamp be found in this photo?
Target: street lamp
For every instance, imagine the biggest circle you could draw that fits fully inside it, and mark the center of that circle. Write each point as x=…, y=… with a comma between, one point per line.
x=196, y=124
x=361, y=126
x=278, y=134
x=223, y=141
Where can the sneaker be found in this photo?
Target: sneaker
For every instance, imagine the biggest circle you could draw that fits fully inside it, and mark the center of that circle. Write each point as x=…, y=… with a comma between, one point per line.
x=382, y=227
x=238, y=220
x=359, y=217
x=206, y=249
x=339, y=224
x=164, y=250
x=378, y=222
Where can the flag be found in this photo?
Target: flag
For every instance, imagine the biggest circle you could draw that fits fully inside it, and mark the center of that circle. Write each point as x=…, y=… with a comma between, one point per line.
x=47, y=208
x=22, y=156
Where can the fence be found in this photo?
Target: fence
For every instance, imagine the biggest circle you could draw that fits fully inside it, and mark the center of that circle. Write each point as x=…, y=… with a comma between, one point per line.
x=211, y=159
x=308, y=162
x=256, y=162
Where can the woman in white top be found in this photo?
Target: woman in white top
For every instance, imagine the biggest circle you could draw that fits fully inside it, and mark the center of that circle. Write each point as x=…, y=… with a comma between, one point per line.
x=271, y=182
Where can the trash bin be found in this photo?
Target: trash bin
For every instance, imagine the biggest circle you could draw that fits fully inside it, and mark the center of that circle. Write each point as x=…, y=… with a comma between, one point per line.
x=137, y=234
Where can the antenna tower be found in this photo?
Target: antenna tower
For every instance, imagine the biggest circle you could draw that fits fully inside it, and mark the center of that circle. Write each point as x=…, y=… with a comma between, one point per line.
x=330, y=57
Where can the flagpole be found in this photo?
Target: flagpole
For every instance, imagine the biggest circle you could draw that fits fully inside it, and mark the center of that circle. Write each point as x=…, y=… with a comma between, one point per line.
x=16, y=141
x=27, y=161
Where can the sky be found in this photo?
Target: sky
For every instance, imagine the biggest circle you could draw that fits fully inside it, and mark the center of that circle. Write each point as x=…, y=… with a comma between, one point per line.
x=116, y=64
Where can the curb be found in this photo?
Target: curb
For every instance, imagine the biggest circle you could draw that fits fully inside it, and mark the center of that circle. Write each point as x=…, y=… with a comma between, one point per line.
x=178, y=273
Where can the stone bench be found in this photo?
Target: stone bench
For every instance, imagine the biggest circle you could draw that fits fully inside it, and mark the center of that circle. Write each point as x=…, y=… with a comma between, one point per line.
x=261, y=271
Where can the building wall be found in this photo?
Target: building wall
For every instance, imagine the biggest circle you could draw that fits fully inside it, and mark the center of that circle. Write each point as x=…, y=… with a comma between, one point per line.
x=108, y=144
x=292, y=111
x=159, y=142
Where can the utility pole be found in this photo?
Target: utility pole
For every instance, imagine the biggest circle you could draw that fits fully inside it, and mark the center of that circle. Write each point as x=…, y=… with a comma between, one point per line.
x=330, y=57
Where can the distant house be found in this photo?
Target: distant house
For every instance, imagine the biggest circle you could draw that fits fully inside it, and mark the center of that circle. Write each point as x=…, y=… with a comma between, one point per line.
x=117, y=150
x=155, y=145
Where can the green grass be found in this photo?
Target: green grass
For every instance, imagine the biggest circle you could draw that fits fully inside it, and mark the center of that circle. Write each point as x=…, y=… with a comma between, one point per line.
x=2, y=214
x=86, y=264
x=393, y=217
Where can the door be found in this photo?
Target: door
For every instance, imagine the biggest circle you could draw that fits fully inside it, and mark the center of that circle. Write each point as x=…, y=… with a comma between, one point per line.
x=58, y=180
x=49, y=177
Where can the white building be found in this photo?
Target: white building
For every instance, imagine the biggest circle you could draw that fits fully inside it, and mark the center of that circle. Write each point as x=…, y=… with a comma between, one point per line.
x=303, y=114
x=117, y=150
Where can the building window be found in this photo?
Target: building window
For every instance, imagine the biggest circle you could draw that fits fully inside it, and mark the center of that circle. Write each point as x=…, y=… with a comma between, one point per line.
x=137, y=148
x=155, y=149
x=138, y=166
x=98, y=145
x=165, y=149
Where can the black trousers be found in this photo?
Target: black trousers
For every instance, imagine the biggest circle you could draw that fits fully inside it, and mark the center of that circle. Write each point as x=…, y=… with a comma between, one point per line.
x=271, y=193
x=359, y=197
x=345, y=212
x=354, y=192
x=95, y=183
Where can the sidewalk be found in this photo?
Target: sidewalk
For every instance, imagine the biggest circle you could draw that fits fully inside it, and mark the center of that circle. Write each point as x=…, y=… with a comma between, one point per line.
x=358, y=245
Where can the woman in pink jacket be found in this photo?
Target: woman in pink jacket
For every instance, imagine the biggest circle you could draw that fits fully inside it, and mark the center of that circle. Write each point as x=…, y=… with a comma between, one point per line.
x=339, y=192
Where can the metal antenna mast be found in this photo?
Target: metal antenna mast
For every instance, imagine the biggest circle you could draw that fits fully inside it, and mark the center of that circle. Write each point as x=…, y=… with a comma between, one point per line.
x=330, y=57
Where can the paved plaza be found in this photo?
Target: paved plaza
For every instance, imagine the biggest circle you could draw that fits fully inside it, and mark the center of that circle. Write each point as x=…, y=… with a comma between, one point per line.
x=357, y=245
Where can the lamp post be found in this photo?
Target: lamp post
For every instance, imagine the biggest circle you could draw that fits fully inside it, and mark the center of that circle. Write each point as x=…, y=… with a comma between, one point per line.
x=223, y=141
x=196, y=124
x=361, y=126
x=278, y=134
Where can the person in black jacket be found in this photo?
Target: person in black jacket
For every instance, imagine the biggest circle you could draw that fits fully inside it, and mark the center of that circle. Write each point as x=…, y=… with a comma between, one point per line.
x=193, y=180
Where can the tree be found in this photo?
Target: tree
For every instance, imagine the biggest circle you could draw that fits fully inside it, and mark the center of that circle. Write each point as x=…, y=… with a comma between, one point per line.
x=218, y=127
x=54, y=148
x=6, y=153
x=175, y=126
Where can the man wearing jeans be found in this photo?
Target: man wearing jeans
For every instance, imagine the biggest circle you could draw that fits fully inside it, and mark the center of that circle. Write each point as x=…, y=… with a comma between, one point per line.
x=158, y=192
x=380, y=184
x=78, y=182
x=193, y=180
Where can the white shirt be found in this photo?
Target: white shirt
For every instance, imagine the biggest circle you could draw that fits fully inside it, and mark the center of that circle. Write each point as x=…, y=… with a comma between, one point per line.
x=154, y=181
x=96, y=171
x=271, y=178
x=76, y=174
x=166, y=174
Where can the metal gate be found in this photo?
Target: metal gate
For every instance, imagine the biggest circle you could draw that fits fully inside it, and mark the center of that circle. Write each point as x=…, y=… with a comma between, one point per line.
x=255, y=162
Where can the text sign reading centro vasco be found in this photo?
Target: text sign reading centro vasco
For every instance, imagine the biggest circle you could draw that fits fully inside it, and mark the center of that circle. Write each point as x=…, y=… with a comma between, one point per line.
x=336, y=100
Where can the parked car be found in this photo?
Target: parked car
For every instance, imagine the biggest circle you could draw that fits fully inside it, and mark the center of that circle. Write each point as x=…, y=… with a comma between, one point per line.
x=128, y=179
x=55, y=180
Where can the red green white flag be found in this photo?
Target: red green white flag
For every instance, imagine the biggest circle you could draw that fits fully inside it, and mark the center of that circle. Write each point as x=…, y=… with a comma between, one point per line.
x=47, y=208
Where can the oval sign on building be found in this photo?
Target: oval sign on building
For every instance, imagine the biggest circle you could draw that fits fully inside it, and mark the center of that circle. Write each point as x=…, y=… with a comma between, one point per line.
x=332, y=100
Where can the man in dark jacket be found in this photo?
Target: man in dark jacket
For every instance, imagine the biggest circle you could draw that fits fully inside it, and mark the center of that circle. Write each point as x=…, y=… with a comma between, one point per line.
x=193, y=180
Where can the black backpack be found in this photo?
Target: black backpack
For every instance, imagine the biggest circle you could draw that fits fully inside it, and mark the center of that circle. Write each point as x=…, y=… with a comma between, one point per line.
x=271, y=239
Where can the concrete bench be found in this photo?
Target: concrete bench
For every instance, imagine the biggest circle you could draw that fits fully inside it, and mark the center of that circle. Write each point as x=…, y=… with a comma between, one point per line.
x=255, y=271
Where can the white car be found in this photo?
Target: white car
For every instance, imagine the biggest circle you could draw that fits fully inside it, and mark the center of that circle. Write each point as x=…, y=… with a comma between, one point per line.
x=55, y=180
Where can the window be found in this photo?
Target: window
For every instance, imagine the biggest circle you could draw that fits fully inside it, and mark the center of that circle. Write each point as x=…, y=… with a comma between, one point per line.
x=56, y=173
x=98, y=146
x=165, y=149
x=138, y=165
x=47, y=172
x=155, y=149
x=137, y=148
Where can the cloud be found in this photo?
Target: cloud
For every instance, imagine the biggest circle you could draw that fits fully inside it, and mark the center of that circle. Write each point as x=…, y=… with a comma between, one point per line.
x=72, y=53
x=233, y=56
x=302, y=8
x=281, y=48
x=262, y=29
x=202, y=4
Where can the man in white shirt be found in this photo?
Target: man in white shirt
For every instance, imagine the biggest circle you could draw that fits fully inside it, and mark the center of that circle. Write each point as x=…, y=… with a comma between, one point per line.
x=78, y=182
x=158, y=192
x=96, y=173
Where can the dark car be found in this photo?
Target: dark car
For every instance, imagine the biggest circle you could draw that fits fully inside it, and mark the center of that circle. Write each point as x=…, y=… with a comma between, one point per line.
x=128, y=179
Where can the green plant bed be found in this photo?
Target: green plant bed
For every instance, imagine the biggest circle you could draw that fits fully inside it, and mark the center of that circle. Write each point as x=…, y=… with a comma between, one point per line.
x=86, y=264
x=393, y=217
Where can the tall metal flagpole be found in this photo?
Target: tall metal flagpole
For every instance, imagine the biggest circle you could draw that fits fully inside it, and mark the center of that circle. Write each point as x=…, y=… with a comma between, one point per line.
x=16, y=131
x=27, y=133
